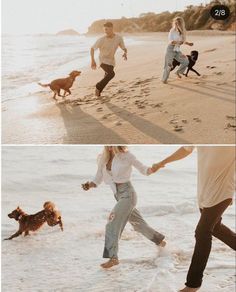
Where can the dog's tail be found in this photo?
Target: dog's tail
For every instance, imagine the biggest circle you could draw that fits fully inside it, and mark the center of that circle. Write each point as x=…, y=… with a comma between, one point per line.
x=44, y=85
x=49, y=206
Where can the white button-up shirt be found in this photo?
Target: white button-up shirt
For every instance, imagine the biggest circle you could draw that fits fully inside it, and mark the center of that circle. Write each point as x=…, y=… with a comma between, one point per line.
x=121, y=169
x=174, y=35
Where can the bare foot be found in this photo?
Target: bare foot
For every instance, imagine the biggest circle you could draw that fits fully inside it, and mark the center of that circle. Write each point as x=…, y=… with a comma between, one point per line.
x=178, y=75
x=97, y=92
x=162, y=244
x=164, y=81
x=188, y=289
x=112, y=262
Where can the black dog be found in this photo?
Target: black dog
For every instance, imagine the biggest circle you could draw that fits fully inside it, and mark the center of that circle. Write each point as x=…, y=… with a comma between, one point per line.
x=192, y=60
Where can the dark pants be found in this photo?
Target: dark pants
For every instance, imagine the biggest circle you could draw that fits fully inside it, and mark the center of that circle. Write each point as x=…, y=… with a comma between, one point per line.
x=109, y=74
x=208, y=225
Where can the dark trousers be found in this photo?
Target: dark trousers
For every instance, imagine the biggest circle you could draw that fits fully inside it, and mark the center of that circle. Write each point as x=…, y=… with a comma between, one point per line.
x=109, y=74
x=208, y=225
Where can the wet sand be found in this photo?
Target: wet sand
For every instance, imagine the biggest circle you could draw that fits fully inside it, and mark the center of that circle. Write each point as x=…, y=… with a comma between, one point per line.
x=136, y=107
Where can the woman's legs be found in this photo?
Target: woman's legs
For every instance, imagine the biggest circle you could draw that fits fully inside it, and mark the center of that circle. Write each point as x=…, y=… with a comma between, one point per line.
x=183, y=62
x=170, y=54
x=117, y=221
x=141, y=226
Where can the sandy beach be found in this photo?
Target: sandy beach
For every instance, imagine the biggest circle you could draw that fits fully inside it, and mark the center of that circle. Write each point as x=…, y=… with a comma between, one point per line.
x=136, y=107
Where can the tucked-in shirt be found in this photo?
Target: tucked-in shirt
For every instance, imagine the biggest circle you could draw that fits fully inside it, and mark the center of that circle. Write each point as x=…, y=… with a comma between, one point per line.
x=107, y=47
x=121, y=169
x=216, y=174
x=174, y=35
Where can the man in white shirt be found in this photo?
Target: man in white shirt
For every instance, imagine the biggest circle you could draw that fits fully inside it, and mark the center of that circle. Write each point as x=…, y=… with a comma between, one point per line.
x=107, y=46
x=216, y=187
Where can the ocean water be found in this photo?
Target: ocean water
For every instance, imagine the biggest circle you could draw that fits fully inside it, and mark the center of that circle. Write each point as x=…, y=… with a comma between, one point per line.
x=28, y=59
x=51, y=260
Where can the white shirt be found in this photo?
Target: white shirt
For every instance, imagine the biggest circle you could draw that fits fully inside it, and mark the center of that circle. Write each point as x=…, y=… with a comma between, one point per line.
x=121, y=169
x=216, y=174
x=174, y=35
x=108, y=47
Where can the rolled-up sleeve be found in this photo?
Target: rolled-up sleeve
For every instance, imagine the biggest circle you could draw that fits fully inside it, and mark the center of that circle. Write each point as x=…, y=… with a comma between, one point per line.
x=189, y=148
x=99, y=175
x=138, y=165
x=171, y=36
x=97, y=44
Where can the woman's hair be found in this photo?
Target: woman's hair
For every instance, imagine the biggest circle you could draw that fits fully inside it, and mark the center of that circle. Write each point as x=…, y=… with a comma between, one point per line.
x=116, y=150
x=179, y=24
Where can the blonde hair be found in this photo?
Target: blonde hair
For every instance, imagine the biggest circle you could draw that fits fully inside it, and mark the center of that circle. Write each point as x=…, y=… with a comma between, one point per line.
x=116, y=150
x=179, y=25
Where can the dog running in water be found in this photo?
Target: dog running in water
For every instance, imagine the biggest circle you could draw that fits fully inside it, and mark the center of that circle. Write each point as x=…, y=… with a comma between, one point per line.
x=33, y=222
x=63, y=83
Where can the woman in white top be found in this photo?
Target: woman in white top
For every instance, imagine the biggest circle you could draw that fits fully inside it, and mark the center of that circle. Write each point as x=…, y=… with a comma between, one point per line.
x=114, y=168
x=176, y=37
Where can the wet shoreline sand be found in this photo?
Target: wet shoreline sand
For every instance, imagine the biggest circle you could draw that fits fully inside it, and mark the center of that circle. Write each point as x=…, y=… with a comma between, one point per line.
x=136, y=107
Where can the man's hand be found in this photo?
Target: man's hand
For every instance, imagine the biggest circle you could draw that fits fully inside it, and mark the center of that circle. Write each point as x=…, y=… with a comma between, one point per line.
x=93, y=65
x=157, y=166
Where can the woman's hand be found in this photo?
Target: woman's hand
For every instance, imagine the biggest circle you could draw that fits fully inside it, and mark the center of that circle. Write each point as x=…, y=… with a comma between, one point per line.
x=189, y=44
x=88, y=185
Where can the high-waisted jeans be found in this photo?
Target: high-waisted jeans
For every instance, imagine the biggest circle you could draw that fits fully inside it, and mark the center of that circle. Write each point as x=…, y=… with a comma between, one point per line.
x=123, y=212
x=170, y=56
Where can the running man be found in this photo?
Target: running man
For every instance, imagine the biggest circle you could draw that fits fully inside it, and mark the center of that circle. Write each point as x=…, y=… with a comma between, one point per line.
x=107, y=46
x=216, y=186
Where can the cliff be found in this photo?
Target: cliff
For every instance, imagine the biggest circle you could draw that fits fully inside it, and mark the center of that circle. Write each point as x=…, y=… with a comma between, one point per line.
x=196, y=18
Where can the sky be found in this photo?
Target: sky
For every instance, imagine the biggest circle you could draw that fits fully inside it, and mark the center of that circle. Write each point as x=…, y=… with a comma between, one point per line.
x=51, y=16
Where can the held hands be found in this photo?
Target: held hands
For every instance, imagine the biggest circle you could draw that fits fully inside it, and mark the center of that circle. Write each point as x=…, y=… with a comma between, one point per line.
x=157, y=166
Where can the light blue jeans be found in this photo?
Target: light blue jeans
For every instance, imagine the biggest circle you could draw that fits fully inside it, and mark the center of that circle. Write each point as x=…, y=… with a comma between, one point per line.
x=170, y=56
x=123, y=212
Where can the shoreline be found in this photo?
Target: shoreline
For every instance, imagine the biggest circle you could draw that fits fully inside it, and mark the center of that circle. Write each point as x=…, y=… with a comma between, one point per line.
x=136, y=107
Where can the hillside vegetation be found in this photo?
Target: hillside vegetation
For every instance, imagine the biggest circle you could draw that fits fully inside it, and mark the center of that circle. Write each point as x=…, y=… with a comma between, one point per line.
x=196, y=18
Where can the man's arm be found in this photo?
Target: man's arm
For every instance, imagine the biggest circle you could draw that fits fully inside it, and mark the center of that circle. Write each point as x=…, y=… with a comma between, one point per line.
x=93, y=62
x=178, y=155
x=123, y=47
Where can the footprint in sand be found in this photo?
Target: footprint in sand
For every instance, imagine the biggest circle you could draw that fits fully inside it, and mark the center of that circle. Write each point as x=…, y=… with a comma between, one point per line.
x=178, y=128
x=230, y=126
x=160, y=104
x=211, y=50
x=231, y=117
x=197, y=120
x=100, y=109
x=118, y=123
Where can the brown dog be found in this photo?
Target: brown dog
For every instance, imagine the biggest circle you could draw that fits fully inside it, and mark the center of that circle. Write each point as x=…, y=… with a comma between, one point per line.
x=63, y=83
x=33, y=222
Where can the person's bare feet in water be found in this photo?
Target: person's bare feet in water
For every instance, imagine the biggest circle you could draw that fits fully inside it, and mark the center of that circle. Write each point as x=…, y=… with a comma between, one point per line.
x=112, y=262
x=97, y=92
x=188, y=289
x=162, y=243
